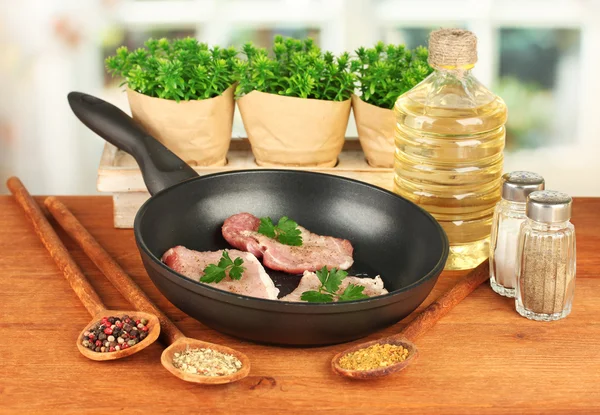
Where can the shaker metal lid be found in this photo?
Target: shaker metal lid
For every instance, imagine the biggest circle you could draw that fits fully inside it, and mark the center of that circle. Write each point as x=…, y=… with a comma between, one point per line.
x=549, y=206
x=517, y=185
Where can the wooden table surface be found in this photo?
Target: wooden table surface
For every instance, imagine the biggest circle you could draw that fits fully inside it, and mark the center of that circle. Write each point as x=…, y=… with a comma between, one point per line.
x=481, y=358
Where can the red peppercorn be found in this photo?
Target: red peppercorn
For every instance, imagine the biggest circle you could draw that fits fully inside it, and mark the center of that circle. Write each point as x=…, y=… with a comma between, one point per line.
x=91, y=336
x=137, y=322
x=98, y=343
x=112, y=349
x=127, y=320
x=145, y=328
x=119, y=324
x=124, y=346
x=108, y=331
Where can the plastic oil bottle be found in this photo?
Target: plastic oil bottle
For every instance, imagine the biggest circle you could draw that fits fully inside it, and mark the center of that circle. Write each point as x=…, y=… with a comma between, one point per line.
x=449, y=147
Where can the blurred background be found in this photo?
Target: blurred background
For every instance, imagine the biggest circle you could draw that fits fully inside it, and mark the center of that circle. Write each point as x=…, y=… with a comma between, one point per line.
x=541, y=56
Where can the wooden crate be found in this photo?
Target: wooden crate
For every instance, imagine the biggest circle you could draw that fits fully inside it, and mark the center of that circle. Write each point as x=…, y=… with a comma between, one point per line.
x=119, y=175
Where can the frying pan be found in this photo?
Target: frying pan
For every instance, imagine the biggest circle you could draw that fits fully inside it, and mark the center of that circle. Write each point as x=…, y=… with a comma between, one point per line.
x=392, y=237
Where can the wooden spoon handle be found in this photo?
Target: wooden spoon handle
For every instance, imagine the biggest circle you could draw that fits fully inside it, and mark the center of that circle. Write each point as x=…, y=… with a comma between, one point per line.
x=113, y=271
x=55, y=247
x=440, y=307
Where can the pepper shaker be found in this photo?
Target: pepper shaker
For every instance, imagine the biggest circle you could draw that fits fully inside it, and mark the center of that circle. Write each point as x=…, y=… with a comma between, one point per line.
x=509, y=214
x=546, y=258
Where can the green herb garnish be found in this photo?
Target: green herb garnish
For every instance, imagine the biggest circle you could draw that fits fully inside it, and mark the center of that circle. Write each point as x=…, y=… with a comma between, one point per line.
x=286, y=231
x=183, y=69
x=217, y=272
x=352, y=292
x=330, y=284
x=298, y=69
x=387, y=71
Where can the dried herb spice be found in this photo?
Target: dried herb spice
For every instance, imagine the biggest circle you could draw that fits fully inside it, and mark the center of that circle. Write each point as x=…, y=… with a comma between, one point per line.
x=206, y=362
x=373, y=357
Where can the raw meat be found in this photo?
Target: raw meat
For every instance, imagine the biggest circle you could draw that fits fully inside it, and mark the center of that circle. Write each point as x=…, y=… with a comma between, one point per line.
x=255, y=282
x=316, y=251
x=310, y=282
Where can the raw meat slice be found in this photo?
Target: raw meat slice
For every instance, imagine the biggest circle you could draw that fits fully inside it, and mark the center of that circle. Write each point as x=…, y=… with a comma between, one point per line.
x=316, y=251
x=310, y=281
x=255, y=282
x=236, y=230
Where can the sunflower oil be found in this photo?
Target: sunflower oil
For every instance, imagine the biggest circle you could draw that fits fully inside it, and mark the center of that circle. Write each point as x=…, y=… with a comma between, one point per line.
x=449, y=137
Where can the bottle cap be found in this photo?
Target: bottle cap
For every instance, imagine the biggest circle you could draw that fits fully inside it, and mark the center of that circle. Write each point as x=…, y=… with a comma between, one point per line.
x=549, y=206
x=452, y=49
x=517, y=185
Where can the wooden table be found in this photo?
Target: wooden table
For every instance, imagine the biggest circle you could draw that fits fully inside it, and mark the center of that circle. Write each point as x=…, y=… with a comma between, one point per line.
x=482, y=358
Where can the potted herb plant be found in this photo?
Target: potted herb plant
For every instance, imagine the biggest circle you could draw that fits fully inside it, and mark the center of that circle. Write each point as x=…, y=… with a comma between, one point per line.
x=384, y=73
x=181, y=92
x=295, y=105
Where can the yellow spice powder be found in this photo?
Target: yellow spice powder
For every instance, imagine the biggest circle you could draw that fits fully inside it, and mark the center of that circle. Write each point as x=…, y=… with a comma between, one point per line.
x=372, y=357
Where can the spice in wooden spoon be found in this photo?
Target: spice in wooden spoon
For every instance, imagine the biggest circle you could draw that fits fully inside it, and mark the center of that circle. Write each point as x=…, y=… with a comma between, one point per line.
x=170, y=334
x=379, y=360
x=120, y=352
x=375, y=356
x=78, y=281
x=114, y=333
x=206, y=362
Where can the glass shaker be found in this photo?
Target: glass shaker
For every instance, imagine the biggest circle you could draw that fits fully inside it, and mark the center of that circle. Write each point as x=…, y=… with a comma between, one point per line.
x=509, y=214
x=546, y=258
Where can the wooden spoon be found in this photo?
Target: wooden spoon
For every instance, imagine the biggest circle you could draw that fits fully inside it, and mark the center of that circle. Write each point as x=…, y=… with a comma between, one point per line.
x=153, y=332
x=423, y=322
x=170, y=334
x=76, y=279
x=180, y=343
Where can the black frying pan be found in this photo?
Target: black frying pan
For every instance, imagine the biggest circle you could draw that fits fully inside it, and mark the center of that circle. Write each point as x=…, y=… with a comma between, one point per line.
x=392, y=237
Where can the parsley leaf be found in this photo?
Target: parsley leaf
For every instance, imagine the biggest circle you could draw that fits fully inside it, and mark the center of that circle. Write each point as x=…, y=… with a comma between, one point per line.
x=225, y=260
x=334, y=280
x=215, y=273
x=286, y=231
x=235, y=273
x=266, y=227
x=322, y=274
x=316, y=297
x=330, y=284
x=289, y=234
x=353, y=292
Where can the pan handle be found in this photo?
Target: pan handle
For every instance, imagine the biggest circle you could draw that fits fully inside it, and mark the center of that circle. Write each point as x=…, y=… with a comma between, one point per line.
x=160, y=167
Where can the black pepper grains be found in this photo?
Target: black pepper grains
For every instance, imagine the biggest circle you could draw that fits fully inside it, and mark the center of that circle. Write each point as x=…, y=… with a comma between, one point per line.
x=112, y=334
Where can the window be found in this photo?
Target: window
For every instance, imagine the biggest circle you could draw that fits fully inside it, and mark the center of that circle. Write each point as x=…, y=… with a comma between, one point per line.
x=541, y=56
x=537, y=78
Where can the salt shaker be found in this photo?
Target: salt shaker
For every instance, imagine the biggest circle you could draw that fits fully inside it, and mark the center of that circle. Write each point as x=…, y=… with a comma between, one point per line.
x=546, y=258
x=509, y=214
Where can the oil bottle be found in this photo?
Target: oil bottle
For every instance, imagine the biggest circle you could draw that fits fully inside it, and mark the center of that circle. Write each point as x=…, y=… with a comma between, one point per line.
x=449, y=137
